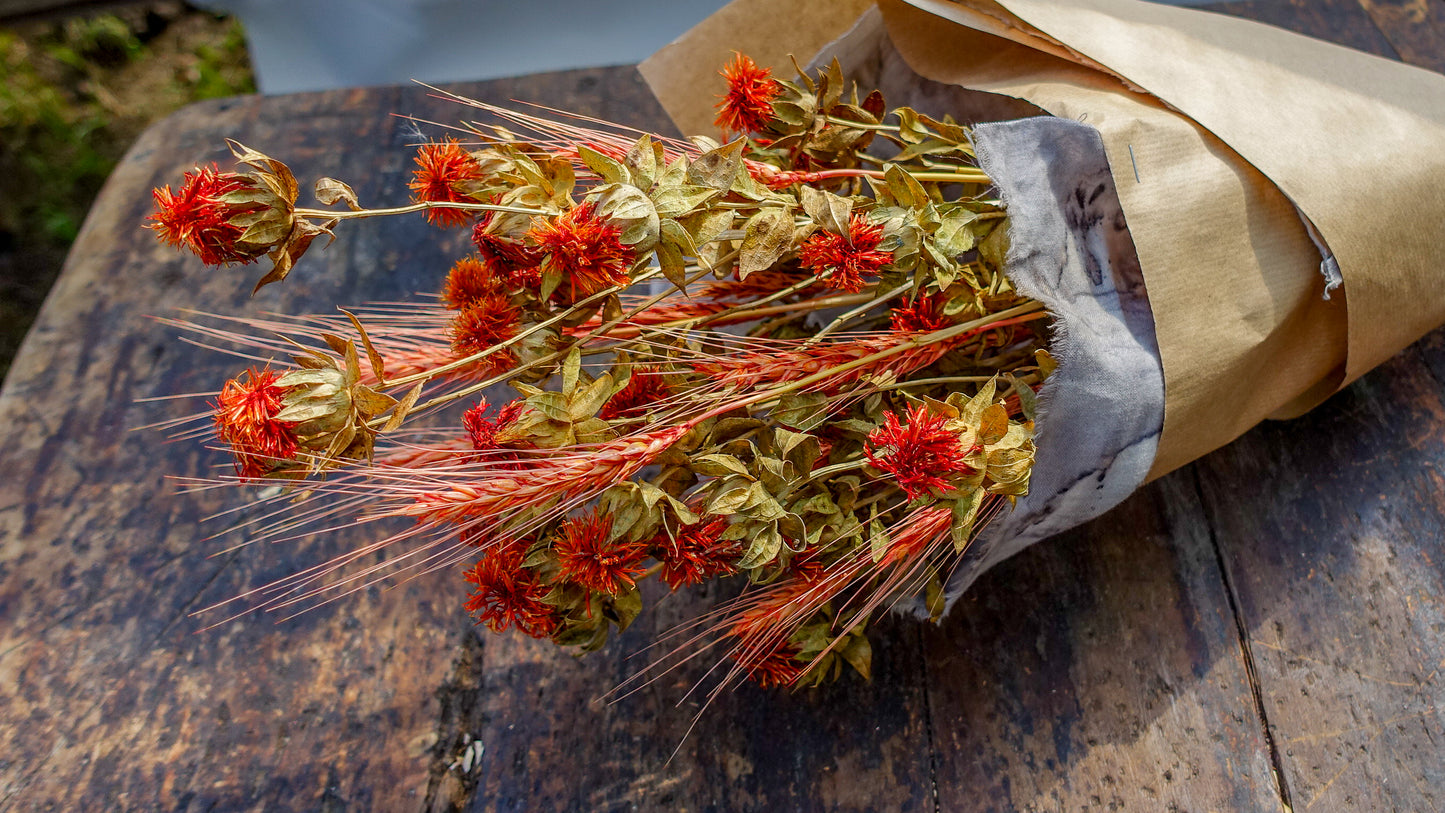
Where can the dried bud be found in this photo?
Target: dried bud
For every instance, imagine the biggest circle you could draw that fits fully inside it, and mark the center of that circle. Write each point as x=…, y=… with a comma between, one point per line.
x=222, y=217
x=227, y=218
x=245, y=418
x=329, y=409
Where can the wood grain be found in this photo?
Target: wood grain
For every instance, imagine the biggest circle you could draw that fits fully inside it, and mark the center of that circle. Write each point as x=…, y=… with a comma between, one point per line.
x=1100, y=670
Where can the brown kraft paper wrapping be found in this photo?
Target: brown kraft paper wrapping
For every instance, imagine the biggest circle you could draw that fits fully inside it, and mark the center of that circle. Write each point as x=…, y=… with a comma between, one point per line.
x=1212, y=149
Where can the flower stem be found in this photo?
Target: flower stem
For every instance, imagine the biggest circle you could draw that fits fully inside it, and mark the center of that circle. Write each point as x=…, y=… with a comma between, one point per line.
x=858, y=311
x=327, y=214
x=478, y=356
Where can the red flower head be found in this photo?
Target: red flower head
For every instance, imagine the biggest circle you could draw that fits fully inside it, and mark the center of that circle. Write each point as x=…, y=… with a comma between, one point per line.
x=245, y=418
x=508, y=594
x=645, y=388
x=585, y=249
x=748, y=105
x=777, y=668
x=483, y=431
x=922, y=315
x=470, y=280
x=440, y=170
x=920, y=455
x=846, y=259
x=199, y=218
x=696, y=554
x=589, y=559
x=486, y=322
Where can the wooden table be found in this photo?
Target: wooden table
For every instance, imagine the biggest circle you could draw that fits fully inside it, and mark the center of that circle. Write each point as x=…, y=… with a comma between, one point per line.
x=1259, y=631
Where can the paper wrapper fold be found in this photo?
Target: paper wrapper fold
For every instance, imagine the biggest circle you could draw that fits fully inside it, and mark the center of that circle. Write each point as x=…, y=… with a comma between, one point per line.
x=1251, y=165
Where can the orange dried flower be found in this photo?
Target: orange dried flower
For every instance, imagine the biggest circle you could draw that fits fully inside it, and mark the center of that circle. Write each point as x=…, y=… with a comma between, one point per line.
x=440, y=170
x=748, y=105
x=645, y=388
x=508, y=594
x=589, y=559
x=779, y=667
x=486, y=322
x=922, y=315
x=245, y=418
x=846, y=259
x=585, y=249
x=491, y=246
x=697, y=554
x=483, y=431
x=197, y=217
x=470, y=280
x=920, y=454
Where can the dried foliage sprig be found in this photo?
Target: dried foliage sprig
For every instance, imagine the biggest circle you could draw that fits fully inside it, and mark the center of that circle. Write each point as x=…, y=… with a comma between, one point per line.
x=793, y=358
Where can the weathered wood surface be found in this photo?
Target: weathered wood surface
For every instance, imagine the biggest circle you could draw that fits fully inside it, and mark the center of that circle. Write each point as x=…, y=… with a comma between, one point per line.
x=1259, y=630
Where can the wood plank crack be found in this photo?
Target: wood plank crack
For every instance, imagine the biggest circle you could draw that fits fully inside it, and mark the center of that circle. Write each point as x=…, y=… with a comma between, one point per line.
x=1246, y=651
x=928, y=719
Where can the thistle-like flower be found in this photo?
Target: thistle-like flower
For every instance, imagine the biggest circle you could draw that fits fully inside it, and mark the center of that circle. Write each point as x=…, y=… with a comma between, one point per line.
x=208, y=216
x=245, y=419
x=698, y=553
x=846, y=259
x=470, y=280
x=584, y=251
x=485, y=322
x=508, y=594
x=442, y=173
x=513, y=255
x=747, y=107
x=774, y=668
x=923, y=315
x=589, y=559
x=483, y=430
x=645, y=388
x=919, y=454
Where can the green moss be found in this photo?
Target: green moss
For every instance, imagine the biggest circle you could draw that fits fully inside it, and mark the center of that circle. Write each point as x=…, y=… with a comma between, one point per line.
x=73, y=96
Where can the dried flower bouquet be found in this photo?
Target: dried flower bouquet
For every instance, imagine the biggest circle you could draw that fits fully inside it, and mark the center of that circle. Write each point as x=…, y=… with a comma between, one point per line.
x=793, y=358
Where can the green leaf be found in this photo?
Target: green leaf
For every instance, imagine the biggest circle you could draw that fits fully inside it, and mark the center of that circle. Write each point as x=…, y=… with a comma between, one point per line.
x=330, y=190
x=826, y=209
x=719, y=465
x=641, y=162
x=993, y=424
x=626, y=608
x=631, y=211
x=1028, y=399
x=906, y=190
x=551, y=404
x=859, y=655
x=571, y=370
x=551, y=278
x=802, y=411
x=677, y=201
x=965, y=511
x=729, y=501
x=717, y=169
x=673, y=249
x=606, y=168
x=584, y=404
x=763, y=549
x=766, y=238
x=706, y=225
x=955, y=234
x=878, y=539
x=761, y=505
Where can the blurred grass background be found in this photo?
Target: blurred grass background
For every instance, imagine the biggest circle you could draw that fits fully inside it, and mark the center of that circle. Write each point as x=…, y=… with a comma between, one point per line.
x=75, y=92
